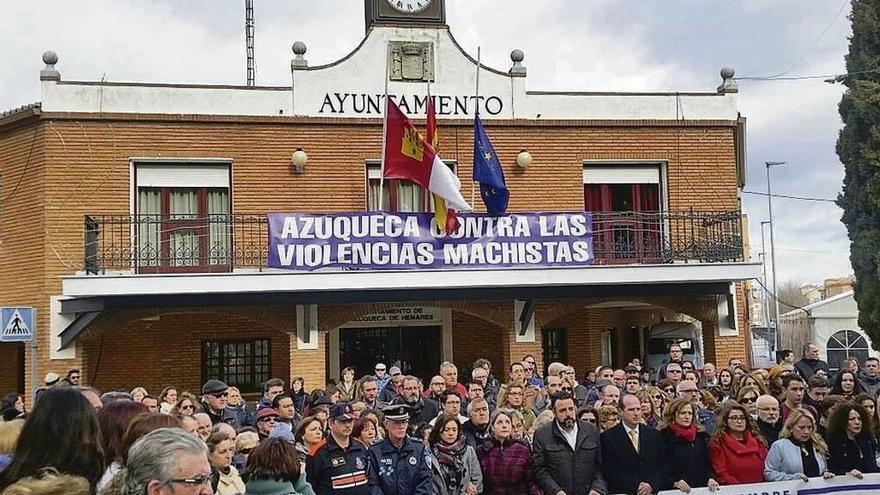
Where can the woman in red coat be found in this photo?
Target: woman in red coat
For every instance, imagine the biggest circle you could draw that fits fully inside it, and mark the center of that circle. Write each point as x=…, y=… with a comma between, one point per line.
x=737, y=450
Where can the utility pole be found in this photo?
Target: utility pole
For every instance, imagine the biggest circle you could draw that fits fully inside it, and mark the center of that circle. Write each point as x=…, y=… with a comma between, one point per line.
x=773, y=251
x=249, y=40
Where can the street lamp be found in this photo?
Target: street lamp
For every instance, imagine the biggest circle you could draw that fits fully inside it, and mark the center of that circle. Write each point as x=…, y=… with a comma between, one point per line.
x=773, y=248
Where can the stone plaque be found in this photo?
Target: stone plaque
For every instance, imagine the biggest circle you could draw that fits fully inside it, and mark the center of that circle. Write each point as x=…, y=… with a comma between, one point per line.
x=411, y=61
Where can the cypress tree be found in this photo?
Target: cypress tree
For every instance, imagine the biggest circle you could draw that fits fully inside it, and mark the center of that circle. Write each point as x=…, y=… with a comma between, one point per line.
x=858, y=147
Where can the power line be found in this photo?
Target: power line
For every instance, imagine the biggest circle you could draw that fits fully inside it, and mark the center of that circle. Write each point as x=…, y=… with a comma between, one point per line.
x=800, y=198
x=812, y=45
x=826, y=77
x=771, y=294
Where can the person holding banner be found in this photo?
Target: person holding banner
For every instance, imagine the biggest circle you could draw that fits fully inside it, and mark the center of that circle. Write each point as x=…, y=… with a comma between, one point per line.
x=737, y=451
x=800, y=453
x=687, y=447
x=851, y=447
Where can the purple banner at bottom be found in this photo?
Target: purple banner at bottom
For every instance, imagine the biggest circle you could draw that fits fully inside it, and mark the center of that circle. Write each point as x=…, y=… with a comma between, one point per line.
x=399, y=241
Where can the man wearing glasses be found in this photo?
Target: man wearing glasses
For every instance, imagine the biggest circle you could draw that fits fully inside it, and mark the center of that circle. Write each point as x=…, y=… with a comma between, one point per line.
x=675, y=356
x=167, y=461
x=769, y=421
x=705, y=416
x=266, y=420
x=214, y=394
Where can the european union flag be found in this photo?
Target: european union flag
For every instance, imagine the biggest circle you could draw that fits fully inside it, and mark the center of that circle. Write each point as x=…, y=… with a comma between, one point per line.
x=487, y=171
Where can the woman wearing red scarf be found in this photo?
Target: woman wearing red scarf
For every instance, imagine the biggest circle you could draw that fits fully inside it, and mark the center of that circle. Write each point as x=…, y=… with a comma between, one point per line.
x=687, y=446
x=737, y=450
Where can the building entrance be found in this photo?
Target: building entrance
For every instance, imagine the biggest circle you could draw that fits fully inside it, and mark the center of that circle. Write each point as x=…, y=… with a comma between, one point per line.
x=416, y=350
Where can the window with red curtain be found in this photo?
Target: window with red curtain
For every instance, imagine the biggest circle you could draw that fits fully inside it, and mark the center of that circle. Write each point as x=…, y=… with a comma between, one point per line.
x=626, y=223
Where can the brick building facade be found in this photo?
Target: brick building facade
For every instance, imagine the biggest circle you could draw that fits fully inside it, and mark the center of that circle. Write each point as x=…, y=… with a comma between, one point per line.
x=77, y=171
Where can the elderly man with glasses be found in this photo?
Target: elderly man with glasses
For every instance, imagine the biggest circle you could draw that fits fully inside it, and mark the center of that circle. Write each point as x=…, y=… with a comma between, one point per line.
x=167, y=461
x=214, y=400
x=705, y=416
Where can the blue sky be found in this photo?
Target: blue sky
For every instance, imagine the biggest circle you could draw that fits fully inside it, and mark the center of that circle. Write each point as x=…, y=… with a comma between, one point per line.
x=577, y=45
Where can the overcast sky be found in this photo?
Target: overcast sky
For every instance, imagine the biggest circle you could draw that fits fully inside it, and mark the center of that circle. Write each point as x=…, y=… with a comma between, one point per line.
x=577, y=45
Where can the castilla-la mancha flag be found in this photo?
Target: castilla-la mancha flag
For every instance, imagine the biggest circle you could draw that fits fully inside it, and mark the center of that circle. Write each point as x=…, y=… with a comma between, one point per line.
x=408, y=156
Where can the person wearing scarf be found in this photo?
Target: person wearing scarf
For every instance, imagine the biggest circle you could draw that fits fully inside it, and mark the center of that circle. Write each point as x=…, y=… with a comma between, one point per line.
x=687, y=446
x=455, y=469
x=800, y=453
x=737, y=451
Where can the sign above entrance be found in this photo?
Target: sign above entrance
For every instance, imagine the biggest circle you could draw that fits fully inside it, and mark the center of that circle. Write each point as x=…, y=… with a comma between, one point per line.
x=408, y=315
x=395, y=241
x=17, y=324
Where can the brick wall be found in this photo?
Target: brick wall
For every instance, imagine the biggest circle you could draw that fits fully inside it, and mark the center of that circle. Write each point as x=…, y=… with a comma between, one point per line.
x=11, y=368
x=168, y=351
x=80, y=165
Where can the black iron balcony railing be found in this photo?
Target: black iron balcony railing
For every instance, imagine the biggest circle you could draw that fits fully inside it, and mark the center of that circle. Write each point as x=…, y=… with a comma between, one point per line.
x=221, y=243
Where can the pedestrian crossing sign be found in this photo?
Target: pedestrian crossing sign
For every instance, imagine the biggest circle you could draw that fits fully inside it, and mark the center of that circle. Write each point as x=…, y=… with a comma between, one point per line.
x=17, y=324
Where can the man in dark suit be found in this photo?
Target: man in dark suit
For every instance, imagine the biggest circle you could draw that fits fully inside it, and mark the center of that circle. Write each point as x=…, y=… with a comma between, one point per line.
x=633, y=460
x=566, y=453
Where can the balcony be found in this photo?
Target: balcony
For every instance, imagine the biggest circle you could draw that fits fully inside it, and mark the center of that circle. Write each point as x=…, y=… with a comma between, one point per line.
x=223, y=243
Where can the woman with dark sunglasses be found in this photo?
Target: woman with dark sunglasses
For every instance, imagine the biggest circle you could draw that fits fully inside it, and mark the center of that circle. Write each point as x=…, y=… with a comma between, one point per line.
x=748, y=397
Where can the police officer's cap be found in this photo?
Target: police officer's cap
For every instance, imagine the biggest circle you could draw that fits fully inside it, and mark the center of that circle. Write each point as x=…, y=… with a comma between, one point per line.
x=397, y=412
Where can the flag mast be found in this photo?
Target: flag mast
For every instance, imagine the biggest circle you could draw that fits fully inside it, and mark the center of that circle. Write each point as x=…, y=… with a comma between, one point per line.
x=384, y=141
x=476, y=112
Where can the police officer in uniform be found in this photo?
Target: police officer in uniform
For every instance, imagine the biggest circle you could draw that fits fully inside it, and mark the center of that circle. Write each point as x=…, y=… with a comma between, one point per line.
x=398, y=463
x=339, y=467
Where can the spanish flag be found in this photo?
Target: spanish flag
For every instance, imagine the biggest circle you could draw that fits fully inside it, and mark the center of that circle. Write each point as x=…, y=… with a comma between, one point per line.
x=445, y=217
x=408, y=156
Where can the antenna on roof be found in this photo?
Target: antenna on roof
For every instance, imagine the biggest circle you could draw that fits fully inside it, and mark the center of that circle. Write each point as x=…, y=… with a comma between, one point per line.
x=249, y=40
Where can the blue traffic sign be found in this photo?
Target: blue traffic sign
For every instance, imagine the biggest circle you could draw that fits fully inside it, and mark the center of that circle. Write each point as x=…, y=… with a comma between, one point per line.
x=16, y=324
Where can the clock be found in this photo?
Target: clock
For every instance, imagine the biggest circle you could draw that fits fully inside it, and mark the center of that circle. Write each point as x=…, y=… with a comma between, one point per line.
x=409, y=6
x=404, y=13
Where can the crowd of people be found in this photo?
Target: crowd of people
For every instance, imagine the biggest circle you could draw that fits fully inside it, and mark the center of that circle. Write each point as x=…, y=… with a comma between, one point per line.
x=628, y=431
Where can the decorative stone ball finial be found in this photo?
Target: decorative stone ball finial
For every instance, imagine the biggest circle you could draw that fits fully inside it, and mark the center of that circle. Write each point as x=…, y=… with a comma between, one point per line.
x=299, y=62
x=517, y=70
x=50, y=57
x=49, y=73
x=728, y=83
x=517, y=56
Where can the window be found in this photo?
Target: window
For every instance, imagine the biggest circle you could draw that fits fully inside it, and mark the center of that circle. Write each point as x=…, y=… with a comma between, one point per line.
x=555, y=345
x=183, y=219
x=400, y=196
x=240, y=363
x=625, y=202
x=846, y=344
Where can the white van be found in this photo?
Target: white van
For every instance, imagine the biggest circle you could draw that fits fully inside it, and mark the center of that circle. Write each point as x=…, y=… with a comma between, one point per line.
x=688, y=335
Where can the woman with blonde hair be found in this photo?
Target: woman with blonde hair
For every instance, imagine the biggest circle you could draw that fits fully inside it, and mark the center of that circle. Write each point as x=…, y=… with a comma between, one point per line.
x=656, y=404
x=687, y=447
x=609, y=417
x=753, y=380
x=138, y=394
x=9, y=432
x=800, y=453
x=49, y=483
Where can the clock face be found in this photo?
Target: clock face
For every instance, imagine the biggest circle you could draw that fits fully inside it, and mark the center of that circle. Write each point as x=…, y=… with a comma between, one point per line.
x=409, y=6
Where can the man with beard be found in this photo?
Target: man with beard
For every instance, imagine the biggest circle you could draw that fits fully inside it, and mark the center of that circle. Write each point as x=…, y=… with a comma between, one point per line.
x=370, y=392
x=476, y=430
x=566, y=453
x=421, y=410
x=769, y=421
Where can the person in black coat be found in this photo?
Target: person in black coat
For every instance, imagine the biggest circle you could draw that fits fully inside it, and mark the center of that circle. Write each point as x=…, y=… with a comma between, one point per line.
x=566, y=452
x=851, y=445
x=633, y=457
x=687, y=447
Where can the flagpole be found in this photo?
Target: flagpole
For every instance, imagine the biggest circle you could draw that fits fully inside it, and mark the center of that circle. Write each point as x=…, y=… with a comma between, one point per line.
x=476, y=112
x=384, y=141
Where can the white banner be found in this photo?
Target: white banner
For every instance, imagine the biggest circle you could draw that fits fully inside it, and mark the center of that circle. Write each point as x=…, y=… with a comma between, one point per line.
x=838, y=485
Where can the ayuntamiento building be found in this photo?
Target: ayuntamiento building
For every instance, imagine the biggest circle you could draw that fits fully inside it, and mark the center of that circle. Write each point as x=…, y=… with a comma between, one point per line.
x=134, y=220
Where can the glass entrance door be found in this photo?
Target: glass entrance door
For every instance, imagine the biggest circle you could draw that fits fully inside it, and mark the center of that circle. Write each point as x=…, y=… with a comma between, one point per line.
x=416, y=350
